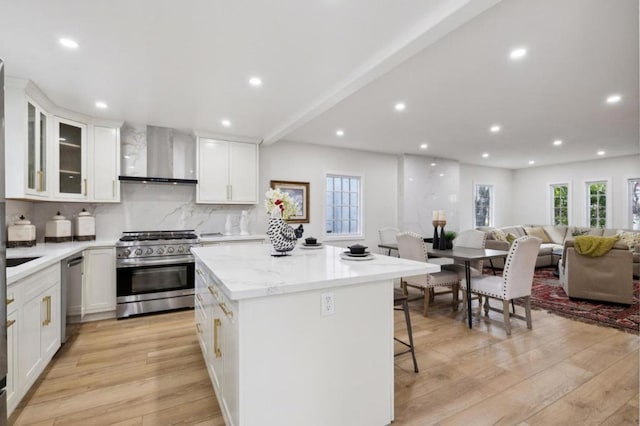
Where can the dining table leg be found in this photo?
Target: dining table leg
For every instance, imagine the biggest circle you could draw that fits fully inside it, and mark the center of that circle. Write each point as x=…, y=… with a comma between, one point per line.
x=467, y=276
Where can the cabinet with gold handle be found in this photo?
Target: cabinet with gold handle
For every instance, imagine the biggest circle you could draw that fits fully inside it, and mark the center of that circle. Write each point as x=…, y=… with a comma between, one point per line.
x=10, y=323
x=216, y=340
x=226, y=310
x=198, y=328
x=10, y=301
x=40, y=181
x=47, y=320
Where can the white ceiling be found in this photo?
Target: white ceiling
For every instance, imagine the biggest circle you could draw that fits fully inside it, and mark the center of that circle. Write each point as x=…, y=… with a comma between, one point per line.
x=330, y=64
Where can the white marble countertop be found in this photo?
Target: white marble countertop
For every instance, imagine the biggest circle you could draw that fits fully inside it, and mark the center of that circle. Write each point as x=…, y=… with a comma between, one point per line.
x=252, y=272
x=49, y=254
x=210, y=238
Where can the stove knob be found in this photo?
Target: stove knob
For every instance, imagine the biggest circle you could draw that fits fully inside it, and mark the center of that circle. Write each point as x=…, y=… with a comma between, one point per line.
x=180, y=249
x=160, y=250
x=170, y=250
x=149, y=251
x=138, y=252
x=126, y=252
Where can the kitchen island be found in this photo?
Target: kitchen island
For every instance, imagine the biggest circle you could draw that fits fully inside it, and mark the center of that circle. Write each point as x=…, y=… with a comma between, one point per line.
x=302, y=339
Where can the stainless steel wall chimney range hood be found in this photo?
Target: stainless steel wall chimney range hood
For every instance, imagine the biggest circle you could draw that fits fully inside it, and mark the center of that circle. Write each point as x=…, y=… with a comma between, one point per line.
x=157, y=154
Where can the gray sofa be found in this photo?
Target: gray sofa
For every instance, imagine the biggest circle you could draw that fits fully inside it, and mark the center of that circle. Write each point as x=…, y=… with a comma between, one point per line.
x=552, y=246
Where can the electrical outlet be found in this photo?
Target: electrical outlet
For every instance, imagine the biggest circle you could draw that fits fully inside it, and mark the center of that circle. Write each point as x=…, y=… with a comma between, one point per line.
x=327, y=302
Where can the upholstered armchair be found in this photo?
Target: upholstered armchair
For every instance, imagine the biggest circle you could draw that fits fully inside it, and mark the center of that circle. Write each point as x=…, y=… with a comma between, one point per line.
x=606, y=278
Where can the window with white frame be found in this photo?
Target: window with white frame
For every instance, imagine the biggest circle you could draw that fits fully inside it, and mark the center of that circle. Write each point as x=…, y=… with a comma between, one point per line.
x=597, y=204
x=560, y=204
x=344, y=205
x=483, y=205
x=634, y=203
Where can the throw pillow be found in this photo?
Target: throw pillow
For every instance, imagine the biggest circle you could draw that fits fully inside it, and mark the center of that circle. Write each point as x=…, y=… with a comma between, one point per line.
x=631, y=239
x=511, y=238
x=579, y=231
x=538, y=232
x=499, y=235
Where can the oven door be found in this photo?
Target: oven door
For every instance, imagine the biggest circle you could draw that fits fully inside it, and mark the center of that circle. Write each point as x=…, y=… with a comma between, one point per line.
x=146, y=282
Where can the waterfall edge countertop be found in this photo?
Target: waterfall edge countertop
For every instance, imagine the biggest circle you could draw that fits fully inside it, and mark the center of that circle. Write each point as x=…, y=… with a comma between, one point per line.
x=249, y=271
x=47, y=254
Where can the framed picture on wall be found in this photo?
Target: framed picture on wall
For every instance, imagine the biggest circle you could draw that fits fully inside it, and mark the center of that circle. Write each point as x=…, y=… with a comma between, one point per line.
x=299, y=192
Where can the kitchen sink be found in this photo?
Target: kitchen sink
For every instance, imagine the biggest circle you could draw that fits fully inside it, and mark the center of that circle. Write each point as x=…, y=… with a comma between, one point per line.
x=20, y=260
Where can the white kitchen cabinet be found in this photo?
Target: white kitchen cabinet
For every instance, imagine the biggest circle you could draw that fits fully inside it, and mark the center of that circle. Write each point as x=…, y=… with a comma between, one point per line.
x=105, y=164
x=12, y=358
x=99, y=281
x=218, y=334
x=38, y=321
x=27, y=137
x=70, y=159
x=227, y=172
x=57, y=155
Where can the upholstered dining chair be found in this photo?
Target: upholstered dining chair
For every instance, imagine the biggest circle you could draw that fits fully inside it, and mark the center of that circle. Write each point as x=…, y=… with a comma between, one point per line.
x=515, y=282
x=387, y=236
x=411, y=246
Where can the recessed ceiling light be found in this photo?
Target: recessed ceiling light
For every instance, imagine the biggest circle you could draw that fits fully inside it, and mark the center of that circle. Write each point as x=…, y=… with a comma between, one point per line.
x=600, y=153
x=495, y=128
x=340, y=133
x=101, y=105
x=67, y=42
x=433, y=164
x=518, y=53
x=614, y=99
x=485, y=155
x=532, y=162
x=557, y=142
x=441, y=174
x=225, y=123
x=400, y=106
x=255, y=81
x=423, y=146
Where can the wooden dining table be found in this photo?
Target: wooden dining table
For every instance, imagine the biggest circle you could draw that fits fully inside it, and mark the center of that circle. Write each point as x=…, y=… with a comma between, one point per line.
x=464, y=254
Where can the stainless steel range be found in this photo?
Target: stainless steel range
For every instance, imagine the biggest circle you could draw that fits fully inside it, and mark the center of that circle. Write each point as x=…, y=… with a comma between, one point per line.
x=155, y=271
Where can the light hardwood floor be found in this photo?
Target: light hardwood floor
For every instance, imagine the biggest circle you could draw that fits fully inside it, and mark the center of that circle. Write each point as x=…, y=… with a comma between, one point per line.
x=149, y=371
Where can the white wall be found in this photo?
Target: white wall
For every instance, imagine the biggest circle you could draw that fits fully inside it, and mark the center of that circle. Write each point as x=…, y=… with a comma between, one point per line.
x=501, y=179
x=532, y=199
x=309, y=163
x=427, y=184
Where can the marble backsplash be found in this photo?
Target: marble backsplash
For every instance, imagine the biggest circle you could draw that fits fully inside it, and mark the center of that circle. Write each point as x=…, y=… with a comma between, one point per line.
x=143, y=207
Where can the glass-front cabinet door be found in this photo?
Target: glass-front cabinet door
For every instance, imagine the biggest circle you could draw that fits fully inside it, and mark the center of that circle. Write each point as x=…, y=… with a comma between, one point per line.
x=71, y=175
x=37, y=133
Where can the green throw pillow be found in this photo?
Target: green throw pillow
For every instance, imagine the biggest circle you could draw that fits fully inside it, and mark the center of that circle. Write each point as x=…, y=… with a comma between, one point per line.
x=511, y=238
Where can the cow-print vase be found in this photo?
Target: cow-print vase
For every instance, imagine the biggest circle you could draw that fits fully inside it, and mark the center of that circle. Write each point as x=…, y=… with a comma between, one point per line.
x=281, y=235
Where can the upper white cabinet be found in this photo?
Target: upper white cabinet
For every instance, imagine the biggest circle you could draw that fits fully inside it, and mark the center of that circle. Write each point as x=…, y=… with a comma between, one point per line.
x=70, y=164
x=105, y=165
x=27, y=136
x=227, y=172
x=57, y=155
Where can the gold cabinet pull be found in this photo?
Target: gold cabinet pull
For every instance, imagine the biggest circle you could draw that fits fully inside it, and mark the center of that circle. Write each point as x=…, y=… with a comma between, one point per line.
x=199, y=298
x=40, y=181
x=213, y=291
x=10, y=323
x=47, y=300
x=198, y=328
x=226, y=310
x=85, y=187
x=10, y=301
x=216, y=347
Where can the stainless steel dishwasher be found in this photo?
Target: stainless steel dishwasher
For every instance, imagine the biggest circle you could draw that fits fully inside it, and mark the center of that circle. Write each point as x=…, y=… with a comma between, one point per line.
x=71, y=290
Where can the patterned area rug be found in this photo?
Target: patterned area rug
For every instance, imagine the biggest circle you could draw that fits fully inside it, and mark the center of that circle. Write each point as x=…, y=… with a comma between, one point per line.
x=547, y=294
